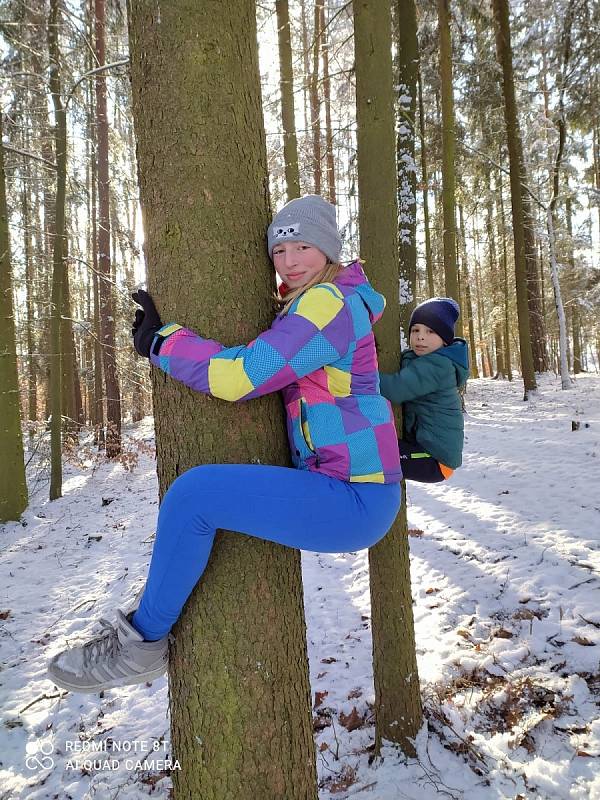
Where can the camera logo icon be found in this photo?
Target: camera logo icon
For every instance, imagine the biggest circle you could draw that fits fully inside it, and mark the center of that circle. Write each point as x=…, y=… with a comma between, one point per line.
x=38, y=754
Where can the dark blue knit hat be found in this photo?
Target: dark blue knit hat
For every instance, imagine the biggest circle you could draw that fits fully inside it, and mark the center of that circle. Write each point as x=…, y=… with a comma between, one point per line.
x=439, y=314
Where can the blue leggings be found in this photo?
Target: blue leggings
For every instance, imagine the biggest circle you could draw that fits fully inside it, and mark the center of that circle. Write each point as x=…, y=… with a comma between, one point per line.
x=329, y=516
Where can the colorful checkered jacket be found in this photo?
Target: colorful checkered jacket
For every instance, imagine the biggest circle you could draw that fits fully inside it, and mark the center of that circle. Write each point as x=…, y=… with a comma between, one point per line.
x=321, y=355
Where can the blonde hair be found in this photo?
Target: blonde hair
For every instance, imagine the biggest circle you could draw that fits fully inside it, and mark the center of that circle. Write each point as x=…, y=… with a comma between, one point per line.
x=328, y=274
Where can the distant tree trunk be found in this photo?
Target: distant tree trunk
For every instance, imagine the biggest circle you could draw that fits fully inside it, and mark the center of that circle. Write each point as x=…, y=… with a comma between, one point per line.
x=315, y=102
x=397, y=700
x=515, y=150
x=495, y=276
x=286, y=87
x=448, y=151
x=575, y=315
x=550, y=215
x=32, y=414
x=425, y=181
x=596, y=154
x=329, y=154
x=505, y=282
x=107, y=312
x=13, y=485
x=239, y=688
x=305, y=70
x=539, y=347
x=98, y=419
x=471, y=322
x=468, y=310
x=59, y=253
x=407, y=68
x=71, y=390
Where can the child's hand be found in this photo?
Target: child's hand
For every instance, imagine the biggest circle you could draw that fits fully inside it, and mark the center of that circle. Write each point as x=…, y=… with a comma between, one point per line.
x=145, y=324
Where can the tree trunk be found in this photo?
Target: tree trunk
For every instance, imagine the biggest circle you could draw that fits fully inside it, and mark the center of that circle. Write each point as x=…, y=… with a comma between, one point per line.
x=468, y=310
x=107, y=312
x=60, y=128
x=315, y=103
x=398, y=710
x=448, y=149
x=13, y=485
x=29, y=299
x=515, y=151
x=239, y=688
x=407, y=68
x=98, y=418
x=539, y=348
x=425, y=181
x=331, y=190
x=495, y=276
x=305, y=69
x=71, y=390
x=286, y=87
x=550, y=216
x=505, y=282
x=575, y=315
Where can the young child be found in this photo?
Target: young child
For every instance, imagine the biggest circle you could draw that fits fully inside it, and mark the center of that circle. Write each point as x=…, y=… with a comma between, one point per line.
x=427, y=383
x=320, y=352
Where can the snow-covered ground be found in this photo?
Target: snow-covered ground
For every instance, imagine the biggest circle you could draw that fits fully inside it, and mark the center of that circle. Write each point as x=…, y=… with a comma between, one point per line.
x=506, y=586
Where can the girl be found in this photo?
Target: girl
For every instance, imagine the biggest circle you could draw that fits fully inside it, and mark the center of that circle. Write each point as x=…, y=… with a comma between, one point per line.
x=320, y=351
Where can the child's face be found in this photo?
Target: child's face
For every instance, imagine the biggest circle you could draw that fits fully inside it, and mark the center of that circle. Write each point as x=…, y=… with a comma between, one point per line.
x=297, y=263
x=423, y=340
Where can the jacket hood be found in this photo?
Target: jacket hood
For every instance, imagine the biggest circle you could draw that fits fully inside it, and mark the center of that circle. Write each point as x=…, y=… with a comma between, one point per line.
x=457, y=352
x=353, y=275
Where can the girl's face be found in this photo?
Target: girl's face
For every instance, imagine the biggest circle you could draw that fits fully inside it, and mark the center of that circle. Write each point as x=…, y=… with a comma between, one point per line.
x=297, y=263
x=423, y=340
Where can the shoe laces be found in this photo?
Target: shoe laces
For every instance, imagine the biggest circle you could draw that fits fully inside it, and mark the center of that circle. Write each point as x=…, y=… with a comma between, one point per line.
x=106, y=644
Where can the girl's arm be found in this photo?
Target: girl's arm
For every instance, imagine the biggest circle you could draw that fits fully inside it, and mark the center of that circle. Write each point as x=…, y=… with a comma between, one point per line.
x=416, y=378
x=317, y=332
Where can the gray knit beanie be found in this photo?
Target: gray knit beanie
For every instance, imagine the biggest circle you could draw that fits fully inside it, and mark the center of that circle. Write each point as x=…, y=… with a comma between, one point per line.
x=309, y=219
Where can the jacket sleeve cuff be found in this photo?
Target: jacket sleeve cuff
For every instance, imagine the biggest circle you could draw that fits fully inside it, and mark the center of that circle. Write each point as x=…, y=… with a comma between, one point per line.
x=159, y=338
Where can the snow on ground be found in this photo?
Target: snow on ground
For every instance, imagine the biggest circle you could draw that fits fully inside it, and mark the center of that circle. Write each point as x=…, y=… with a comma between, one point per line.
x=506, y=587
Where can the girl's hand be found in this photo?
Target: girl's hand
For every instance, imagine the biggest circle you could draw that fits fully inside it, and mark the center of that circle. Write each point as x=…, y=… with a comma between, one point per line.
x=145, y=324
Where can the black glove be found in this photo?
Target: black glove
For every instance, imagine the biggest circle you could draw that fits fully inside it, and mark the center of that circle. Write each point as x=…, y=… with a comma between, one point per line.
x=146, y=323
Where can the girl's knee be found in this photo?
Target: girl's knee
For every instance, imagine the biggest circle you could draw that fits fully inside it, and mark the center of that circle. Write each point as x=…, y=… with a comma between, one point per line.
x=187, y=484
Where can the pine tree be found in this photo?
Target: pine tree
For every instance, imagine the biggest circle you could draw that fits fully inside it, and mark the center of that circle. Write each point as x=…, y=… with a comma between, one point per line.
x=515, y=149
x=240, y=696
x=286, y=83
x=13, y=487
x=397, y=699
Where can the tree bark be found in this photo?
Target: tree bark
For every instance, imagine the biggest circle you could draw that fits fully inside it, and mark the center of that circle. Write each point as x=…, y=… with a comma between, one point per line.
x=330, y=161
x=13, y=485
x=468, y=310
x=32, y=414
x=60, y=138
x=107, y=306
x=286, y=87
x=239, y=688
x=407, y=68
x=425, y=181
x=398, y=710
x=505, y=282
x=515, y=150
x=315, y=103
x=448, y=151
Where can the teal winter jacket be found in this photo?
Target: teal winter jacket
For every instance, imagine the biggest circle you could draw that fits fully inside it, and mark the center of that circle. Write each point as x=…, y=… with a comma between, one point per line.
x=427, y=387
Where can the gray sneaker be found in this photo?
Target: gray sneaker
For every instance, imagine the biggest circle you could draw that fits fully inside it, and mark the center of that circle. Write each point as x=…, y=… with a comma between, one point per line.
x=118, y=657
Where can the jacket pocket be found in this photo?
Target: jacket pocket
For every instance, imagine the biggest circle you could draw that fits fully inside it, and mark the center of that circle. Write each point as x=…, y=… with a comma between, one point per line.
x=304, y=428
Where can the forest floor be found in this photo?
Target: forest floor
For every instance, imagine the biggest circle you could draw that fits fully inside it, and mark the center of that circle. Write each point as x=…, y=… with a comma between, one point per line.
x=506, y=586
